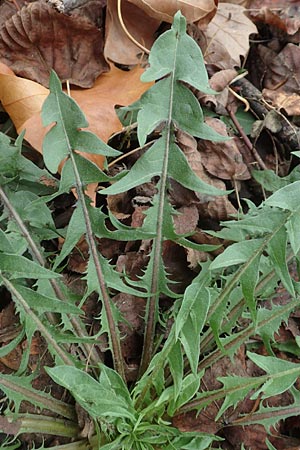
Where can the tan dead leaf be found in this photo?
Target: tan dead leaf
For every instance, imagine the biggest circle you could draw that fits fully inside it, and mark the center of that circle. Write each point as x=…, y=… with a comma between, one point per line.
x=118, y=47
x=195, y=257
x=5, y=70
x=19, y=97
x=227, y=36
x=281, y=100
x=284, y=70
x=223, y=159
x=220, y=80
x=218, y=209
x=117, y=204
x=118, y=87
x=38, y=38
x=186, y=220
x=200, y=11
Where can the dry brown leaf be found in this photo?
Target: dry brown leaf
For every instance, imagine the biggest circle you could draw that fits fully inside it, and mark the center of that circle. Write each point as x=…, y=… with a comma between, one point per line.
x=244, y=3
x=118, y=87
x=118, y=47
x=281, y=100
x=186, y=219
x=282, y=16
x=38, y=39
x=212, y=208
x=227, y=36
x=223, y=159
x=284, y=70
x=20, y=98
x=188, y=145
x=219, y=82
x=7, y=9
x=201, y=11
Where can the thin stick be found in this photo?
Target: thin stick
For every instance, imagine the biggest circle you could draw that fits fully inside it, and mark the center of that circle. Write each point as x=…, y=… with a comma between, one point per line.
x=246, y=140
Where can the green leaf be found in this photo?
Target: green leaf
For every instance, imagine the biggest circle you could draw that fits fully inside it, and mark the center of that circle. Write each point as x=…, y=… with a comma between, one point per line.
x=293, y=230
x=282, y=374
x=190, y=386
x=76, y=229
x=277, y=252
x=42, y=303
x=175, y=360
x=21, y=267
x=88, y=171
x=237, y=253
x=188, y=65
x=19, y=388
x=286, y=198
x=249, y=281
x=65, y=135
x=150, y=164
x=97, y=399
x=245, y=119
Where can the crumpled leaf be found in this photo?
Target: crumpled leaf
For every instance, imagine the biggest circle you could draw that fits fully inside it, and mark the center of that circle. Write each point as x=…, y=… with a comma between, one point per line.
x=290, y=102
x=20, y=98
x=118, y=47
x=284, y=70
x=281, y=16
x=38, y=38
x=215, y=208
x=193, y=10
x=227, y=36
x=223, y=160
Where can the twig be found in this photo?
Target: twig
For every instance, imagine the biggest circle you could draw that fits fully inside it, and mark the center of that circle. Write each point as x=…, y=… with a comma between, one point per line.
x=246, y=139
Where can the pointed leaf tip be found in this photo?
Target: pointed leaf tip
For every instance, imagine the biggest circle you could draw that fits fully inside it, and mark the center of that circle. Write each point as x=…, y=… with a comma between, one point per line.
x=179, y=23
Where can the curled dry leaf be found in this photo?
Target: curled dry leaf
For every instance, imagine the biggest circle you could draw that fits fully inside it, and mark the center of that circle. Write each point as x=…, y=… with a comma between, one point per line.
x=290, y=103
x=201, y=11
x=38, y=39
x=118, y=47
x=281, y=16
x=284, y=70
x=219, y=82
x=19, y=97
x=223, y=160
x=227, y=36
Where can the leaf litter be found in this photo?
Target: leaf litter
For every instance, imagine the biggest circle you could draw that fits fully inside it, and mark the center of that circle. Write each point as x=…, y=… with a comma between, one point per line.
x=222, y=31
